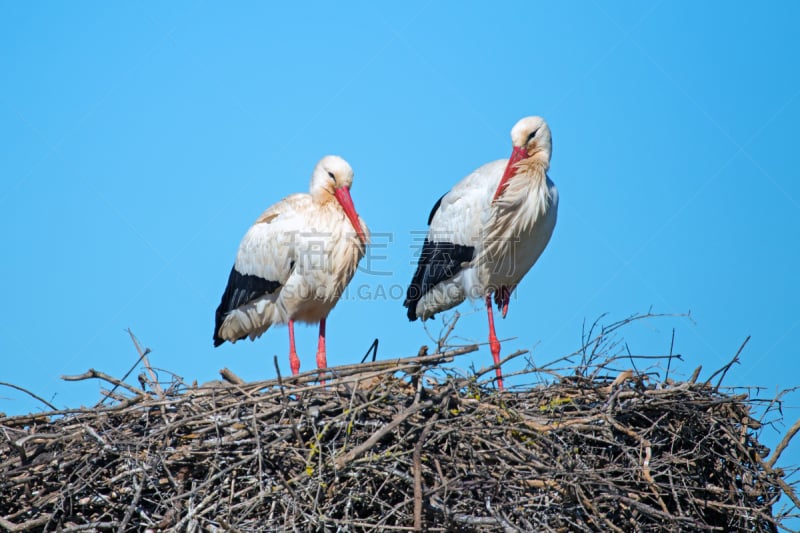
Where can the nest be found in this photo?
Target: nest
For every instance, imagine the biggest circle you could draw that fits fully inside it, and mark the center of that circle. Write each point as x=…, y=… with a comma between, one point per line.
x=400, y=445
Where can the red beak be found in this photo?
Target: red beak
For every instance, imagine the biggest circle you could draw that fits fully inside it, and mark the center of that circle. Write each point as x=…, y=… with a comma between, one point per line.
x=518, y=154
x=343, y=196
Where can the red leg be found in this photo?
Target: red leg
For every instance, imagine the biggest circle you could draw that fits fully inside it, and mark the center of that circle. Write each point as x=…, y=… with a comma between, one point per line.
x=494, y=344
x=322, y=359
x=294, y=362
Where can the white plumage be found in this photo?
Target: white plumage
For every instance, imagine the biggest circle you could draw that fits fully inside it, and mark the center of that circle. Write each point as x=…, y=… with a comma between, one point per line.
x=488, y=231
x=296, y=260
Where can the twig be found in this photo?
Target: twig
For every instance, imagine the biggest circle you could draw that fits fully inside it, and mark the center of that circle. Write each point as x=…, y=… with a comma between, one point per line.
x=342, y=461
x=783, y=443
x=128, y=373
x=146, y=362
x=385, y=365
x=25, y=526
x=132, y=506
x=442, y=341
x=671, y=351
x=29, y=393
x=373, y=348
x=503, y=361
x=417, y=458
x=230, y=377
x=724, y=369
x=96, y=374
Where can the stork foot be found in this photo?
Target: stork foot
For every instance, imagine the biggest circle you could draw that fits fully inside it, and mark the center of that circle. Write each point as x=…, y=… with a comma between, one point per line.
x=502, y=297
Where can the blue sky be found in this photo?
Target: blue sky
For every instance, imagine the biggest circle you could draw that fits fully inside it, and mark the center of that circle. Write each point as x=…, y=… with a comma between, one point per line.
x=140, y=141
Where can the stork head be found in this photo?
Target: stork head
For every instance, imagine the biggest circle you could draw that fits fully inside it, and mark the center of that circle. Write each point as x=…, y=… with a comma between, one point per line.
x=532, y=134
x=532, y=144
x=333, y=177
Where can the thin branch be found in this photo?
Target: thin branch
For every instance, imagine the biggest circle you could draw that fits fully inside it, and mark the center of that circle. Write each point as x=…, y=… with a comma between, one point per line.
x=724, y=369
x=96, y=374
x=29, y=393
x=143, y=358
x=783, y=444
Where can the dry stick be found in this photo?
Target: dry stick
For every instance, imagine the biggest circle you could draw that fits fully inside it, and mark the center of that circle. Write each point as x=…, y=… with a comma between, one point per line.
x=19, y=420
x=134, y=503
x=788, y=491
x=785, y=487
x=373, y=348
x=342, y=461
x=230, y=377
x=506, y=359
x=644, y=444
x=463, y=518
x=389, y=365
x=285, y=401
x=112, y=395
x=500, y=518
x=25, y=526
x=604, y=334
x=724, y=369
x=26, y=391
x=394, y=363
x=385, y=366
x=443, y=338
x=370, y=527
x=146, y=361
x=669, y=360
x=643, y=507
x=228, y=526
x=586, y=502
x=783, y=444
x=96, y=374
x=94, y=526
x=418, y=467
x=260, y=452
x=128, y=373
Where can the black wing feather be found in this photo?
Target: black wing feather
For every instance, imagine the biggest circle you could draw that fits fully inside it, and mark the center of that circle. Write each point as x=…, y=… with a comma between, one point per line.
x=439, y=261
x=435, y=208
x=242, y=289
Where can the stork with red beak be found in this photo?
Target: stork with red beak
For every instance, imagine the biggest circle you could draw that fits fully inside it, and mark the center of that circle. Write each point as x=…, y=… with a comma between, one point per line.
x=488, y=231
x=295, y=262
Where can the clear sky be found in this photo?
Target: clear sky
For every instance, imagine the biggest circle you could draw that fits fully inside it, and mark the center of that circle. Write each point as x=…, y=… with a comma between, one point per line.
x=141, y=139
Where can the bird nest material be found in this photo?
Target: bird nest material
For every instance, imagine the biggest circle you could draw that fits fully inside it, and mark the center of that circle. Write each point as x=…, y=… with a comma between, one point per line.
x=401, y=445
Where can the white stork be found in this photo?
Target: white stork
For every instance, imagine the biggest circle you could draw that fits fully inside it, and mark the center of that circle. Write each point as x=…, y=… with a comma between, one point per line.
x=488, y=231
x=295, y=262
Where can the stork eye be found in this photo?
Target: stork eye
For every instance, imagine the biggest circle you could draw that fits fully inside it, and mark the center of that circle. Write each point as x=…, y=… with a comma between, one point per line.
x=332, y=176
x=531, y=136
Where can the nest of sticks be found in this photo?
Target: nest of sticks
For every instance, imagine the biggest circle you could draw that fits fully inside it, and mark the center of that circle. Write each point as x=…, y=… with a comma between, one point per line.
x=589, y=444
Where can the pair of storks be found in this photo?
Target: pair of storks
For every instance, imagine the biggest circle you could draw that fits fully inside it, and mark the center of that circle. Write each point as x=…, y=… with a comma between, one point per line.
x=483, y=236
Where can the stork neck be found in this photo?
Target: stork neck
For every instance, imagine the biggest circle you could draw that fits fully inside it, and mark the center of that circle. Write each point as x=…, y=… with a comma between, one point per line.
x=528, y=172
x=321, y=195
x=534, y=168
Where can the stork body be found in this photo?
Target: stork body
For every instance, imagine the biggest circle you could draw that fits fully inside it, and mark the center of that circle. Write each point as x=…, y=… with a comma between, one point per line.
x=294, y=263
x=488, y=231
